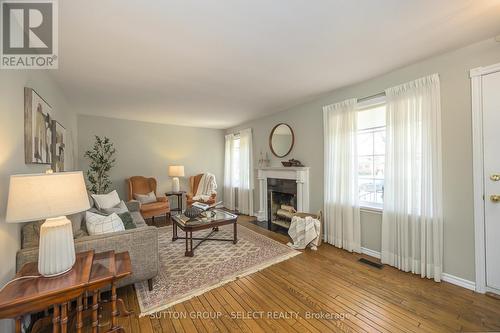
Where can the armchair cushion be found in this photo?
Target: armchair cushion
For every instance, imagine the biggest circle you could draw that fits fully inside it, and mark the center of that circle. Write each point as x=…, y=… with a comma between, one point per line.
x=154, y=206
x=162, y=198
x=210, y=201
x=145, y=198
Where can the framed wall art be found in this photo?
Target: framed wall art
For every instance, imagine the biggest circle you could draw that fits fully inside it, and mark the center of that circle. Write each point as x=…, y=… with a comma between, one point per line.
x=58, y=146
x=37, y=129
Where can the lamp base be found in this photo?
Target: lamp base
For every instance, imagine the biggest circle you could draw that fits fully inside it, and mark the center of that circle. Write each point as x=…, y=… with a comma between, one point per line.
x=56, y=254
x=175, y=184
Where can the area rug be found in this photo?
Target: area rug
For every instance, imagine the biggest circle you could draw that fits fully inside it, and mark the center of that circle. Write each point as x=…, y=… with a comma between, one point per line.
x=214, y=264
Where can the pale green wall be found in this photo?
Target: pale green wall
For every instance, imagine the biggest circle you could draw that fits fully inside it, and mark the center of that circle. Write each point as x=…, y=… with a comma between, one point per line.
x=147, y=149
x=453, y=68
x=12, y=83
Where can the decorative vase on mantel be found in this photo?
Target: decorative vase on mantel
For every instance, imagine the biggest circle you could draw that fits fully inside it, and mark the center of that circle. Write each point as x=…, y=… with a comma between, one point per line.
x=264, y=162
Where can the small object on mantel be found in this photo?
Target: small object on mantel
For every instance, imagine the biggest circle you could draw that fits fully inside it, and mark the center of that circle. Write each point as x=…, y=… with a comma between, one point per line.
x=292, y=163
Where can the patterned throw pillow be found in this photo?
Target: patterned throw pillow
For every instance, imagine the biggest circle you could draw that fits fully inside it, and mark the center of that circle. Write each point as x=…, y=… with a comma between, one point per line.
x=127, y=220
x=99, y=224
x=145, y=198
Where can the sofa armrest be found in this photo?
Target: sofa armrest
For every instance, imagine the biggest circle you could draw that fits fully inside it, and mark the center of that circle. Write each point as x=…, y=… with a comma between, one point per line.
x=141, y=244
x=133, y=205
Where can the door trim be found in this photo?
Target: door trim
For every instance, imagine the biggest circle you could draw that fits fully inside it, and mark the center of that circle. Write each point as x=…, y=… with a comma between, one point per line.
x=478, y=172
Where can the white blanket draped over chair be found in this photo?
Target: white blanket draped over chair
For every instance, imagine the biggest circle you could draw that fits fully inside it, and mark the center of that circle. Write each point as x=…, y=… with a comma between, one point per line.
x=304, y=232
x=206, y=187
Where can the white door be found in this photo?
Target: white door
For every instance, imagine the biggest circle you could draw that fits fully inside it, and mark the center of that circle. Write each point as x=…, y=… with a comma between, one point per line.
x=491, y=136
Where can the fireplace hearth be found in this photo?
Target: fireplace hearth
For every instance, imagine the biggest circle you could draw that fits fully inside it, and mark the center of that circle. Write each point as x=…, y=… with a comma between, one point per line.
x=280, y=186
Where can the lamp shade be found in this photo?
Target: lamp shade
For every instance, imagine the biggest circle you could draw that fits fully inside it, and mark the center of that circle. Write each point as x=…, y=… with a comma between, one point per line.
x=176, y=170
x=42, y=196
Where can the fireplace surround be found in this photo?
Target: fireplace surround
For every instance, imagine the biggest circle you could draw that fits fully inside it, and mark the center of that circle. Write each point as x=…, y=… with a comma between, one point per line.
x=299, y=187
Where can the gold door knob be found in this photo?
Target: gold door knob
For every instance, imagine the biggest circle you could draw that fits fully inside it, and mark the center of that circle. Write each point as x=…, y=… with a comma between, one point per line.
x=495, y=198
x=495, y=177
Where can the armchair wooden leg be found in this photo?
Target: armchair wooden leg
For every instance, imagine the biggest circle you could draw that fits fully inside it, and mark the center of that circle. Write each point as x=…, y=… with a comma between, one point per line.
x=150, y=284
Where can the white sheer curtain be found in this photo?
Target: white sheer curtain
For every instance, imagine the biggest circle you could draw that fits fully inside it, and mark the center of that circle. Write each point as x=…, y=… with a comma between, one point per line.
x=342, y=221
x=245, y=187
x=229, y=160
x=412, y=224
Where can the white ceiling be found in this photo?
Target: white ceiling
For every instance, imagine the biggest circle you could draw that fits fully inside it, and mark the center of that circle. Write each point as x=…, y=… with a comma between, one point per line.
x=218, y=63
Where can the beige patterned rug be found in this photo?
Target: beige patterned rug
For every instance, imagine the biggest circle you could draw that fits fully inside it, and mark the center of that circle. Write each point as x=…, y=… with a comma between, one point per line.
x=214, y=264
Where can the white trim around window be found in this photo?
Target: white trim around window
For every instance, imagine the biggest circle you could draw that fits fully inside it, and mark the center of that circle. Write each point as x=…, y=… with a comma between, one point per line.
x=371, y=102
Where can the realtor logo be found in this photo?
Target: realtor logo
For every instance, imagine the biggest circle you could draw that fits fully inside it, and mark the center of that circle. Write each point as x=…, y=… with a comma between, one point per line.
x=29, y=34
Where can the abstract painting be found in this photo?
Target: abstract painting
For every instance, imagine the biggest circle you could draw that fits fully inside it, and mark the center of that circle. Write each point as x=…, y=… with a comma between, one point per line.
x=58, y=146
x=37, y=128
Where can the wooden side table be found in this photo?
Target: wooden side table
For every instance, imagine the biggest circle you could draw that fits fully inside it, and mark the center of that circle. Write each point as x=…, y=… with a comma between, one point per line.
x=89, y=273
x=179, y=200
x=107, y=269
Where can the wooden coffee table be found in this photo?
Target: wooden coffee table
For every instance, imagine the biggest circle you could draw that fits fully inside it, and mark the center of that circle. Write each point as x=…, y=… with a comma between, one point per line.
x=221, y=218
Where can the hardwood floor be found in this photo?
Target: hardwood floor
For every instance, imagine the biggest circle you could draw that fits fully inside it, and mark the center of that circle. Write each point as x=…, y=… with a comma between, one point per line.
x=305, y=293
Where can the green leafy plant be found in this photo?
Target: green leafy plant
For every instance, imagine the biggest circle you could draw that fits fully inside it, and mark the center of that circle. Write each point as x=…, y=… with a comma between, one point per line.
x=101, y=158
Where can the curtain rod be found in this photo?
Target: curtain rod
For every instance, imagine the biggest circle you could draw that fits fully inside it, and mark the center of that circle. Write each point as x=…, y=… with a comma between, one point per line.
x=382, y=94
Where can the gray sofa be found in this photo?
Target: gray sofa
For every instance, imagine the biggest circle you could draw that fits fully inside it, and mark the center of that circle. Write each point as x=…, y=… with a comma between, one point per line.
x=141, y=243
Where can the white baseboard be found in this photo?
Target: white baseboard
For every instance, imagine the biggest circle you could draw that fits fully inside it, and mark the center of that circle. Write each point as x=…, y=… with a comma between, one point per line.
x=458, y=281
x=371, y=253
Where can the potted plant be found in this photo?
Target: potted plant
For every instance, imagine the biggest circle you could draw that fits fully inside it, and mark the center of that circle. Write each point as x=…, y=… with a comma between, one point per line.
x=101, y=158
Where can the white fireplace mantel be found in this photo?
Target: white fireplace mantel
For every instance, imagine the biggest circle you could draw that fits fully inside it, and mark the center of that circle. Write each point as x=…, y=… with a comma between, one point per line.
x=299, y=174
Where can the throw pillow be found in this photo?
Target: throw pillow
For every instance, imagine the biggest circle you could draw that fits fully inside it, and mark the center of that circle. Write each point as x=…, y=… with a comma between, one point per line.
x=118, y=209
x=128, y=221
x=99, y=224
x=145, y=198
x=103, y=201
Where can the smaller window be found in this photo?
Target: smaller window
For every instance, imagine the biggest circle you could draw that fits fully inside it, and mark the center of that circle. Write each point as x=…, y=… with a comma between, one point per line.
x=236, y=165
x=371, y=155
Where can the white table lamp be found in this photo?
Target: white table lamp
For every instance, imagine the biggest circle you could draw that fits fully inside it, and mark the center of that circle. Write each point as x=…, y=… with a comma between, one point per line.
x=176, y=171
x=49, y=196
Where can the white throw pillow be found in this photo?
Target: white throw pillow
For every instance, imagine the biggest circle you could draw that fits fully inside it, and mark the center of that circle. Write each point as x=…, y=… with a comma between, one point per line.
x=109, y=200
x=99, y=224
x=118, y=209
x=145, y=198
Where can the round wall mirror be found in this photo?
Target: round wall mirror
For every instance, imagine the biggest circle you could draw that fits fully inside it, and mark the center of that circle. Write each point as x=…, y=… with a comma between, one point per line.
x=281, y=140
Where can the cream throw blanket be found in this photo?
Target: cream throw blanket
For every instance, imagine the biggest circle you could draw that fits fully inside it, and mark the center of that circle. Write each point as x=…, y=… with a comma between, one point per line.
x=206, y=187
x=304, y=232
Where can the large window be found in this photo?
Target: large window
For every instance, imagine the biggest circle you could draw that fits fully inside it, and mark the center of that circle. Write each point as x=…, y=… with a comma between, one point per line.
x=371, y=154
x=236, y=162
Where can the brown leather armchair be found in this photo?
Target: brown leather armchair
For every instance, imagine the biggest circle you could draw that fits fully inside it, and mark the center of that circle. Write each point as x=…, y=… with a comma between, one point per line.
x=194, y=181
x=143, y=185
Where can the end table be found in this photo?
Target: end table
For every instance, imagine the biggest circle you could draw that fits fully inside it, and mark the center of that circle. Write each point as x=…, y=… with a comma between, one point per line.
x=90, y=273
x=179, y=200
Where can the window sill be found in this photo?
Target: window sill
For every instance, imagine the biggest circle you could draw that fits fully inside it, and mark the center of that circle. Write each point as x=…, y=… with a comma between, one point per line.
x=371, y=209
